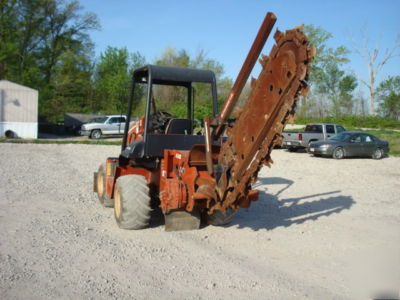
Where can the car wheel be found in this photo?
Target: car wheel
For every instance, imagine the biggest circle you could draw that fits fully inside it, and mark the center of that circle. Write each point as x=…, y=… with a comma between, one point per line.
x=378, y=154
x=96, y=134
x=10, y=134
x=292, y=149
x=338, y=153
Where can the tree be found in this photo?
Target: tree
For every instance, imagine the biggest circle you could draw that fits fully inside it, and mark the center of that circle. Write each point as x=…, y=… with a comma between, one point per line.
x=63, y=28
x=337, y=87
x=375, y=60
x=113, y=78
x=72, y=84
x=388, y=95
x=325, y=56
x=175, y=97
x=36, y=37
x=346, y=87
x=360, y=103
x=8, y=38
x=330, y=87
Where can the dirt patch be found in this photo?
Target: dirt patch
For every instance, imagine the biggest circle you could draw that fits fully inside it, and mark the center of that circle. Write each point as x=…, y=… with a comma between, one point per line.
x=321, y=229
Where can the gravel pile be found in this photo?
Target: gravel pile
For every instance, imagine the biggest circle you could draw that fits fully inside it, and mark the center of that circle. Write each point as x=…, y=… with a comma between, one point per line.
x=321, y=229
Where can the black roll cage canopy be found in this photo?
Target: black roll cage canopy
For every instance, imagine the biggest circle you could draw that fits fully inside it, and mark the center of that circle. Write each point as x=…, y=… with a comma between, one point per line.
x=174, y=76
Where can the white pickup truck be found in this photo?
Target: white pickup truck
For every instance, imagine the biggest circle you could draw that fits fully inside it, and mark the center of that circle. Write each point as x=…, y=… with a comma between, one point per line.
x=108, y=125
x=294, y=140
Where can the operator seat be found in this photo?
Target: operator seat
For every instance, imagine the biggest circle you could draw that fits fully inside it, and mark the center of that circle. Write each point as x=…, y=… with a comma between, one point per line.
x=179, y=126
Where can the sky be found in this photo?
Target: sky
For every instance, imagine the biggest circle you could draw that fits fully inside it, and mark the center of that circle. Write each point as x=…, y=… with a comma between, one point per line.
x=226, y=29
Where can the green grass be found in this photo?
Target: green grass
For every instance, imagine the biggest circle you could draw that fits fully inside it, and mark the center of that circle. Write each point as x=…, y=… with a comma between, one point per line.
x=354, y=121
x=32, y=141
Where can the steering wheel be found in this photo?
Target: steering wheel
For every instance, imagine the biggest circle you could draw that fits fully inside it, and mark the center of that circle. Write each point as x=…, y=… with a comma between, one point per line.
x=159, y=121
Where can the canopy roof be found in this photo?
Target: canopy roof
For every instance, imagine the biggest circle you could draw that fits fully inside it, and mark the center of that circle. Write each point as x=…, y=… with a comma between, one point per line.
x=173, y=75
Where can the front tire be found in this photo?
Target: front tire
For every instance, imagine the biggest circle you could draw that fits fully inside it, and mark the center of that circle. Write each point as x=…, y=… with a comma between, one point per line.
x=219, y=218
x=338, y=153
x=378, y=154
x=132, y=202
x=95, y=134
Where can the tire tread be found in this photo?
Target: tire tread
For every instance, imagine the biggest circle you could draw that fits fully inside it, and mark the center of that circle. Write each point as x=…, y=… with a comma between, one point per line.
x=135, y=202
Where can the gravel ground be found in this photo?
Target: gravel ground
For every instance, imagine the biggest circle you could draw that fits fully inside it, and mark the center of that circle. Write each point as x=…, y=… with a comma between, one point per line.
x=322, y=229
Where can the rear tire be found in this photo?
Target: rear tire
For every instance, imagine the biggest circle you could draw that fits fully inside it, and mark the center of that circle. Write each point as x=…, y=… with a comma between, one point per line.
x=378, y=154
x=219, y=218
x=101, y=187
x=132, y=202
x=338, y=153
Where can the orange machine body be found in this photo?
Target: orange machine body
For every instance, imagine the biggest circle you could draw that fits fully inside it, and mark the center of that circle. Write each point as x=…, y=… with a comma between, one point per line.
x=181, y=181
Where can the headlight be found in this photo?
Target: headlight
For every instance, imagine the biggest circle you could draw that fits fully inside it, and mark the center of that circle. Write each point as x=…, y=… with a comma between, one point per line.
x=326, y=146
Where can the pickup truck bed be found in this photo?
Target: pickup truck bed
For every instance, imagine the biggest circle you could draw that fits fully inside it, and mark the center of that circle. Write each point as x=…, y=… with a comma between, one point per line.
x=294, y=140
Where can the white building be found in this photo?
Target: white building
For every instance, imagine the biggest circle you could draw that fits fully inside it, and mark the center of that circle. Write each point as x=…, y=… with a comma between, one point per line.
x=18, y=110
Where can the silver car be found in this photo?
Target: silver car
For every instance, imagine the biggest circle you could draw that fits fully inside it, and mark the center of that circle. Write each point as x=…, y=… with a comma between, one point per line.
x=109, y=125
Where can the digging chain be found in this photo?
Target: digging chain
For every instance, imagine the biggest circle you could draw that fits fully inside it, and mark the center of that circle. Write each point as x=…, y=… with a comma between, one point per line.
x=259, y=125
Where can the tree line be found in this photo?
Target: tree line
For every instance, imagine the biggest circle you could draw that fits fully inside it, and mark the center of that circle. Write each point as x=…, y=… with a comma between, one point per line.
x=333, y=90
x=46, y=45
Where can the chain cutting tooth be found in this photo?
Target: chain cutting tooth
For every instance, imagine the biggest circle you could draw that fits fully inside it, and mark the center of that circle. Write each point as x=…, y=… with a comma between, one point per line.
x=264, y=60
x=278, y=36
